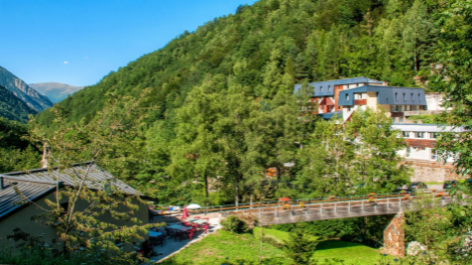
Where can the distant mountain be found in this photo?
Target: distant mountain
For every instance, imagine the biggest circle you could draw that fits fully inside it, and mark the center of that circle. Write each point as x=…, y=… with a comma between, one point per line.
x=56, y=92
x=23, y=91
x=12, y=107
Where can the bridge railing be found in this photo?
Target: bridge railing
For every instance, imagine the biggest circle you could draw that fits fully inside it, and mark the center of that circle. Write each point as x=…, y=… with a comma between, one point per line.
x=309, y=201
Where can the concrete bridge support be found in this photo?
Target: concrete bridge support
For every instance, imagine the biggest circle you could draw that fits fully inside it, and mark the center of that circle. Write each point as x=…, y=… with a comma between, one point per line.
x=394, y=236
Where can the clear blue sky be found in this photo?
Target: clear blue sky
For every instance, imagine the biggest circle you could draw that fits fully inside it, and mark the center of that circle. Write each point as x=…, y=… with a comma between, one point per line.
x=79, y=41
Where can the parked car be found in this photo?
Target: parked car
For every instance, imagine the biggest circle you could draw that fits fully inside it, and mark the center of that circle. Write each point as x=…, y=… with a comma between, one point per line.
x=417, y=187
x=450, y=184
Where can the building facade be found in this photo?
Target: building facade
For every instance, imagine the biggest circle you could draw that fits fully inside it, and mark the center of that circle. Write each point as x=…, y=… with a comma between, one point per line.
x=343, y=97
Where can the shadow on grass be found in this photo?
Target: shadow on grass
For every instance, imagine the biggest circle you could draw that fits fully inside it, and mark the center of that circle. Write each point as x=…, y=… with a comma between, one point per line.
x=333, y=244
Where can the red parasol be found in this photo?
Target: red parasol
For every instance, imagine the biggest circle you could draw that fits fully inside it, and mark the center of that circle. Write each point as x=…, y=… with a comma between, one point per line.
x=185, y=213
x=285, y=199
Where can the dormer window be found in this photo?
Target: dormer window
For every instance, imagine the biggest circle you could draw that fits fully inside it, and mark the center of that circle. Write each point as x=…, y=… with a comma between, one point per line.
x=329, y=88
x=419, y=97
x=412, y=96
x=347, y=96
x=396, y=96
x=404, y=96
x=321, y=89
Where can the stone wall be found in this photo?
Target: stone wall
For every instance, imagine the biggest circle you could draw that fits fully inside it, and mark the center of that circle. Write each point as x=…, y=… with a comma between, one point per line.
x=394, y=236
x=432, y=172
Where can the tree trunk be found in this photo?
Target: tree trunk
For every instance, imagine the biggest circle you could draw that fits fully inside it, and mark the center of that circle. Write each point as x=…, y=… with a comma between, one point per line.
x=207, y=196
x=236, y=192
x=260, y=251
x=251, y=198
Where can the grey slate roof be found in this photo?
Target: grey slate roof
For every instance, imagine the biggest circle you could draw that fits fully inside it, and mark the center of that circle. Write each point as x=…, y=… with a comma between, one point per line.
x=31, y=190
x=38, y=182
x=326, y=88
x=329, y=115
x=68, y=177
x=386, y=95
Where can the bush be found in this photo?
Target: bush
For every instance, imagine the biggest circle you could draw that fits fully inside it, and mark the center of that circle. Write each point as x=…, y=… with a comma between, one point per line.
x=31, y=250
x=234, y=224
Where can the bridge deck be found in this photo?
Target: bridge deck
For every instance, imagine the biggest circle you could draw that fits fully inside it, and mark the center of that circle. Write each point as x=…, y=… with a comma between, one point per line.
x=334, y=210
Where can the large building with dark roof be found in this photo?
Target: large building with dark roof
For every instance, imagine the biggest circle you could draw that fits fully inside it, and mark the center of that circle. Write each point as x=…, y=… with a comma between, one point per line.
x=341, y=98
x=39, y=185
x=326, y=93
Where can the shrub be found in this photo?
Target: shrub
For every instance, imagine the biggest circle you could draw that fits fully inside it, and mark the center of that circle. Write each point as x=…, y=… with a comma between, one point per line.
x=234, y=224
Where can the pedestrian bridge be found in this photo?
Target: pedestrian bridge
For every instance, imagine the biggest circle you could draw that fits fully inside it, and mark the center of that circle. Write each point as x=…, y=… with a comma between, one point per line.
x=270, y=214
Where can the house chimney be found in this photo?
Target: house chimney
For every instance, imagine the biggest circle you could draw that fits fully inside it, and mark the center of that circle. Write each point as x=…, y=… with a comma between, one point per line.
x=46, y=151
x=1, y=183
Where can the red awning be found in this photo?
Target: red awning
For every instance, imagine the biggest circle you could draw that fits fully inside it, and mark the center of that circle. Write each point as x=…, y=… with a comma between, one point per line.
x=286, y=199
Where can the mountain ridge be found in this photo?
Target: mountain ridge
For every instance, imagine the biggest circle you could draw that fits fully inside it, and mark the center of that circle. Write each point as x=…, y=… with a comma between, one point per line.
x=55, y=91
x=23, y=91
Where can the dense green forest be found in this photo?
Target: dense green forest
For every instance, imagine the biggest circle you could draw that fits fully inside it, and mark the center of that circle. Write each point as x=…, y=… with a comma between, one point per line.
x=268, y=46
x=12, y=107
x=16, y=151
x=221, y=109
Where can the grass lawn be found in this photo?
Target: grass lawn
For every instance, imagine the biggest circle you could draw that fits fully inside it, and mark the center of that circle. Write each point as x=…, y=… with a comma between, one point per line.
x=216, y=248
x=349, y=252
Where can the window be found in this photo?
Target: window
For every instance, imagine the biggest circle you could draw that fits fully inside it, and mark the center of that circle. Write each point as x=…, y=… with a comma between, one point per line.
x=400, y=119
x=408, y=151
x=419, y=97
x=321, y=89
x=347, y=96
x=419, y=134
x=434, y=135
x=329, y=88
x=412, y=96
x=396, y=96
x=404, y=96
x=406, y=134
x=434, y=154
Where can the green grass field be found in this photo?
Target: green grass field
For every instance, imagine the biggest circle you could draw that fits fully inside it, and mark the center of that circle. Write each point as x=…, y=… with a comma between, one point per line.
x=225, y=247
x=216, y=248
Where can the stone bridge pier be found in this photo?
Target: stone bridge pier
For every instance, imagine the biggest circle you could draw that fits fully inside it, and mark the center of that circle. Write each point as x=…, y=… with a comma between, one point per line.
x=394, y=236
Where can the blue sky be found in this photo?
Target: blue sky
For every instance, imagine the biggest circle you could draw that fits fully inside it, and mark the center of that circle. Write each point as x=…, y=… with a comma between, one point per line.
x=79, y=41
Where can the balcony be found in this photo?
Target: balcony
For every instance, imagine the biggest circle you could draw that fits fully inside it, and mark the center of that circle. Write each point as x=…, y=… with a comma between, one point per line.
x=422, y=112
x=360, y=102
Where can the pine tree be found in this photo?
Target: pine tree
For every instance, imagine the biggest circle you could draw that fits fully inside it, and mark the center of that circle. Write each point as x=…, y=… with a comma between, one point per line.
x=300, y=248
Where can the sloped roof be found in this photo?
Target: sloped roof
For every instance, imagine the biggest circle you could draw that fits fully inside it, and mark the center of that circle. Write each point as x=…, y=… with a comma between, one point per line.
x=329, y=115
x=39, y=182
x=69, y=177
x=31, y=190
x=386, y=95
x=326, y=88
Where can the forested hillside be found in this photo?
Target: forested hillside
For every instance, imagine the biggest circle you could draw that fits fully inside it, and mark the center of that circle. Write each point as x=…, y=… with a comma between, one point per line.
x=12, y=107
x=221, y=109
x=389, y=40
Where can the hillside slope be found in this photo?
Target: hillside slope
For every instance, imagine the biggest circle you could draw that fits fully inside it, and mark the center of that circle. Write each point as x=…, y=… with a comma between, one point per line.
x=56, y=92
x=12, y=107
x=273, y=44
x=24, y=92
